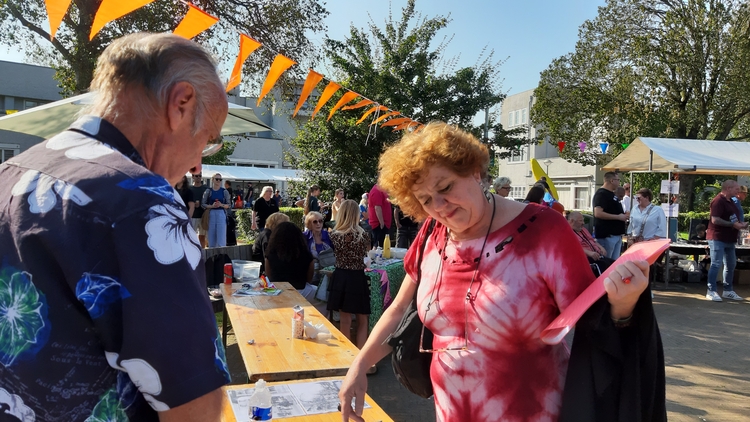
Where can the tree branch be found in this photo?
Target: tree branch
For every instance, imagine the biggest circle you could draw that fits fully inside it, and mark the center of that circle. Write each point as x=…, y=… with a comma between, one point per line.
x=41, y=32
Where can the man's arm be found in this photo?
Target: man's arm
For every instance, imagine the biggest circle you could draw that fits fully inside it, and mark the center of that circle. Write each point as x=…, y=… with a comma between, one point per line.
x=721, y=222
x=206, y=408
x=599, y=213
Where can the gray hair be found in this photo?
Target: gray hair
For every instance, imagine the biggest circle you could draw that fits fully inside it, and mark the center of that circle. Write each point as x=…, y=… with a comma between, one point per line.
x=266, y=188
x=500, y=182
x=152, y=64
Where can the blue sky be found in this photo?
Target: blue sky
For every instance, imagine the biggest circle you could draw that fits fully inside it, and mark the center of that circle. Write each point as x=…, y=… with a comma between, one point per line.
x=529, y=33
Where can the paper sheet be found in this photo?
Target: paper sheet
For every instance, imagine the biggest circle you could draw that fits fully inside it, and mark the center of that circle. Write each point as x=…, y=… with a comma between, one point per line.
x=291, y=400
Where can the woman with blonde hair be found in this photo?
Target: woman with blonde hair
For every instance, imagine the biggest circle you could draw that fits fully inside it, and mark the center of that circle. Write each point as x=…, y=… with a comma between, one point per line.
x=263, y=207
x=318, y=241
x=490, y=279
x=350, y=292
x=338, y=199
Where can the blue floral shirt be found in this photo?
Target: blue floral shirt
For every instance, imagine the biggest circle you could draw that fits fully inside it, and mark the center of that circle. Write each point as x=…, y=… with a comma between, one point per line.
x=104, y=314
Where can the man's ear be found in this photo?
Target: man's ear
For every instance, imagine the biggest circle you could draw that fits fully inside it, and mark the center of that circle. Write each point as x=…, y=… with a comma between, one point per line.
x=181, y=105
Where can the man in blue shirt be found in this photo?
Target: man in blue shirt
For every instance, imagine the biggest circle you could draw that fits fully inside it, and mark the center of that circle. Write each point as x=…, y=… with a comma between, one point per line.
x=741, y=195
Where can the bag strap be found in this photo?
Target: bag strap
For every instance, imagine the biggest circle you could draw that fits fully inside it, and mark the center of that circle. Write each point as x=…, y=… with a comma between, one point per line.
x=643, y=222
x=427, y=234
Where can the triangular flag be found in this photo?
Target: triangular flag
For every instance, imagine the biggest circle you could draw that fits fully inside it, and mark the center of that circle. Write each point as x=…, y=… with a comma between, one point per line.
x=370, y=111
x=560, y=145
x=405, y=125
x=280, y=64
x=56, y=10
x=582, y=146
x=624, y=145
x=358, y=105
x=604, y=147
x=646, y=251
x=395, y=122
x=343, y=100
x=331, y=88
x=383, y=117
x=110, y=10
x=194, y=22
x=247, y=46
x=312, y=80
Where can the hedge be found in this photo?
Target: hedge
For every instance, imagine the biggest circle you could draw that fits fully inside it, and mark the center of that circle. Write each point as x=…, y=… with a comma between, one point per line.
x=244, y=220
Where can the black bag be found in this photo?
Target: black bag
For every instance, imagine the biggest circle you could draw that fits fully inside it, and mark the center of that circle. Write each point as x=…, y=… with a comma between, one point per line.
x=215, y=269
x=411, y=367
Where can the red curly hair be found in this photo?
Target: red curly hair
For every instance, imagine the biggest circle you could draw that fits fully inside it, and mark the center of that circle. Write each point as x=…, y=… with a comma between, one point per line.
x=437, y=144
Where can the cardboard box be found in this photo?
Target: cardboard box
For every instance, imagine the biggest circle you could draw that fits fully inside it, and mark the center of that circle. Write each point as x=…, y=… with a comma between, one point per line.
x=741, y=277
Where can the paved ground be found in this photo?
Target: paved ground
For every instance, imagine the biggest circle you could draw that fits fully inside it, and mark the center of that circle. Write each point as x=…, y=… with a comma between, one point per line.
x=706, y=346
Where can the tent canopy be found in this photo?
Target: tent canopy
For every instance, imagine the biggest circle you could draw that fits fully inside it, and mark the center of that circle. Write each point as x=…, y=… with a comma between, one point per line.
x=259, y=174
x=691, y=156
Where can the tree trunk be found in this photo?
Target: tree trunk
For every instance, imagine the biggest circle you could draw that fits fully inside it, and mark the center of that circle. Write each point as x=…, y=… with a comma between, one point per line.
x=687, y=196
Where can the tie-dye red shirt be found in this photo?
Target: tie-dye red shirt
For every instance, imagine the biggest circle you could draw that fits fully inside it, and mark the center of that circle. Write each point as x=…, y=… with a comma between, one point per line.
x=508, y=373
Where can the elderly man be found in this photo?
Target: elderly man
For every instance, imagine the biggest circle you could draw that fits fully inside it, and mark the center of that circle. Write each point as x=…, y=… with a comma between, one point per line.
x=609, y=225
x=741, y=195
x=502, y=186
x=594, y=251
x=103, y=304
x=723, y=229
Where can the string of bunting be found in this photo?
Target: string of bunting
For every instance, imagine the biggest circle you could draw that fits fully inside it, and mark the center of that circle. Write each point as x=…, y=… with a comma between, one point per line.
x=196, y=21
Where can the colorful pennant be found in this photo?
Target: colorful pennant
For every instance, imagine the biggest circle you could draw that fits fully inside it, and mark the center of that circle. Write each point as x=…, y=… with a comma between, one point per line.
x=56, y=10
x=350, y=95
x=358, y=105
x=194, y=22
x=604, y=146
x=327, y=94
x=405, y=125
x=280, y=65
x=383, y=117
x=313, y=78
x=370, y=111
x=582, y=146
x=110, y=10
x=624, y=145
x=560, y=145
x=247, y=46
x=395, y=122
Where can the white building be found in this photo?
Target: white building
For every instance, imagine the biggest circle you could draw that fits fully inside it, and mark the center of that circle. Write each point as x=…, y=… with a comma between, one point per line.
x=575, y=183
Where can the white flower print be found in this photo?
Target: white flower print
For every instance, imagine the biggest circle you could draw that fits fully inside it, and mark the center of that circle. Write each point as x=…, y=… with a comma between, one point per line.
x=81, y=147
x=15, y=407
x=171, y=236
x=44, y=191
x=143, y=375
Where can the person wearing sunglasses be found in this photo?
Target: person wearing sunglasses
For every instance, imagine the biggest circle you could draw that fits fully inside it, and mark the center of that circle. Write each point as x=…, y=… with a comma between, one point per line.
x=494, y=273
x=103, y=303
x=502, y=186
x=318, y=240
x=216, y=201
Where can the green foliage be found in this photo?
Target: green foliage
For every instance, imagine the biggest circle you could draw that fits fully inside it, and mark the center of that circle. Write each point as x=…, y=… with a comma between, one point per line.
x=649, y=68
x=282, y=25
x=244, y=221
x=400, y=66
x=222, y=156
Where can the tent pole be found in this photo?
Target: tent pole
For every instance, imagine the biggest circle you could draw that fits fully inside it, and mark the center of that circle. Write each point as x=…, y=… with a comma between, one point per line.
x=669, y=220
x=650, y=161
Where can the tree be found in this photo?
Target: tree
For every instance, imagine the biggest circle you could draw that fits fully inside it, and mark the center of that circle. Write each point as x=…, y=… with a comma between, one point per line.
x=222, y=156
x=278, y=24
x=399, y=66
x=656, y=68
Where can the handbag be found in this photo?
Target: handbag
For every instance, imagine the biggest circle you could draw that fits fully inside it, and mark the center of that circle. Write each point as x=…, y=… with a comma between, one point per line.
x=204, y=219
x=326, y=258
x=411, y=367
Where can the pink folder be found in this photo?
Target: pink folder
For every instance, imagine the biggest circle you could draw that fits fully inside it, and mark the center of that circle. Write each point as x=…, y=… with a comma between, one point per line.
x=556, y=331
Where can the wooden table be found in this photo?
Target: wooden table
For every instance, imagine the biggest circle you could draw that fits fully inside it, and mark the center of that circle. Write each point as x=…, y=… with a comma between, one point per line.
x=274, y=354
x=373, y=414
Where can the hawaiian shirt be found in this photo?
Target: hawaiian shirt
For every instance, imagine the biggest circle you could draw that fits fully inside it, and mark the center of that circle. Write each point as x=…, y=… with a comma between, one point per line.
x=104, y=314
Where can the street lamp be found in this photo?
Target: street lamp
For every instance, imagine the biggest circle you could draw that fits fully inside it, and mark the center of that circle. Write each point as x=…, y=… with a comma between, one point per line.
x=546, y=163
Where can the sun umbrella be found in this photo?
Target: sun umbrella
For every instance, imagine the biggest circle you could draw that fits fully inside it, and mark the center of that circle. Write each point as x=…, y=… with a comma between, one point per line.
x=50, y=119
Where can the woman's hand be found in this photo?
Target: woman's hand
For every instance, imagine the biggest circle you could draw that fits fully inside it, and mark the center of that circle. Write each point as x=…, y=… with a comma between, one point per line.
x=624, y=286
x=354, y=386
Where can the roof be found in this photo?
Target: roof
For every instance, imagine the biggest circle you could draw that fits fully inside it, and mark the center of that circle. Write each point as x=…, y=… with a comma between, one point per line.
x=694, y=156
x=253, y=173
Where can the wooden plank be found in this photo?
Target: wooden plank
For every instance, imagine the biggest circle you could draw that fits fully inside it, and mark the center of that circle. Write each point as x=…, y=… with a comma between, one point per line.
x=375, y=413
x=274, y=354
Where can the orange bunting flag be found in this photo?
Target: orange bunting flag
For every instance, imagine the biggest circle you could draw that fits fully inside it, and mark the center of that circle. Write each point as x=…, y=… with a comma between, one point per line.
x=194, y=22
x=327, y=94
x=403, y=126
x=344, y=99
x=56, y=10
x=313, y=78
x=383, y=117
x=370, y=111
x=358, y=105
x=110, y=10
x=395, y=122
x=279, y=66
x=247, y=46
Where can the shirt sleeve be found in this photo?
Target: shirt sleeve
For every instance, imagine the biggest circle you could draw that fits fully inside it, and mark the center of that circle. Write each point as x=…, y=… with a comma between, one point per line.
x=164, y=334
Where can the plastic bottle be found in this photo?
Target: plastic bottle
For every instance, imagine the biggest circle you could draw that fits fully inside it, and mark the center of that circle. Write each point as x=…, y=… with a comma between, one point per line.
x=260, y=403
x=387, y=247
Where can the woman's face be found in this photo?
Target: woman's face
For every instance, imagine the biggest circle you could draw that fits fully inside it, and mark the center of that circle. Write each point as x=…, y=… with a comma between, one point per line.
x=315, y=193
x=455, y=201
x=339, y=195
x=216, y=181
x=316, y=224
x=267, y=194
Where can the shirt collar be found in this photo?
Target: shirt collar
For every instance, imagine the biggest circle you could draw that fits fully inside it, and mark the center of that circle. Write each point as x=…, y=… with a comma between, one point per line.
x=106, y=133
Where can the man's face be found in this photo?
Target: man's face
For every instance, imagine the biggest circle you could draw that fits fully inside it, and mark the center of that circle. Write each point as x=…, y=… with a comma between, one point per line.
x=197, y=179
x=615, y=181
x=576, y=222
x=741, y=195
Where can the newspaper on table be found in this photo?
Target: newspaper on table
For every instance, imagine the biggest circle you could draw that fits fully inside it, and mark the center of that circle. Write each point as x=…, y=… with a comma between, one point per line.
x=291, y=400
x=257, y=291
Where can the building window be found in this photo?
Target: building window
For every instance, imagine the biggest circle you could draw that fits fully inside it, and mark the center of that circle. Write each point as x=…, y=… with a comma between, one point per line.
x=515, y=120
x=582, y=198
x=27, y=104
x=7, y=154
x=510, y=119
x=523, y=116
x=517, y=192
x=517, y=156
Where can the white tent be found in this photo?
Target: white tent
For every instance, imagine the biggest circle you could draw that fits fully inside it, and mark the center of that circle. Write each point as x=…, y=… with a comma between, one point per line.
x=255, y=174
x=692, y=156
